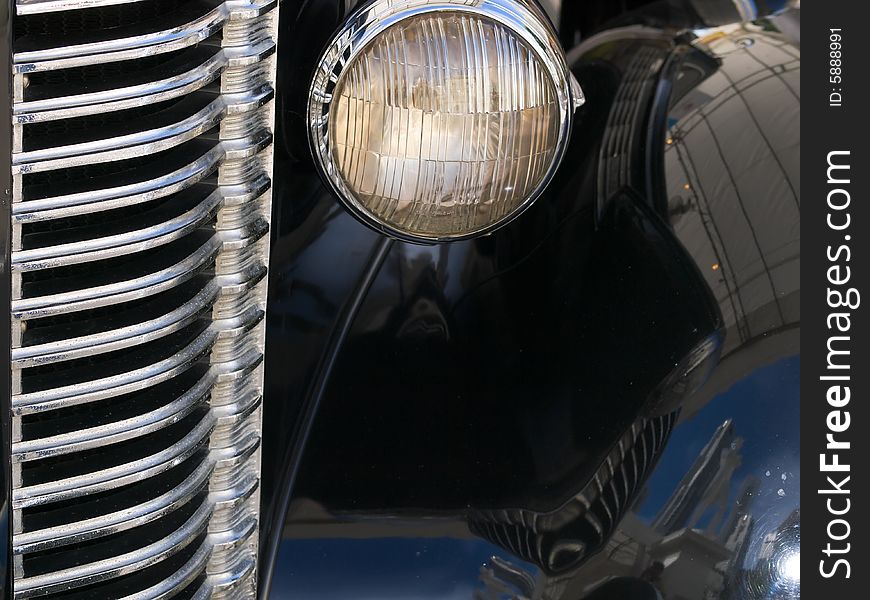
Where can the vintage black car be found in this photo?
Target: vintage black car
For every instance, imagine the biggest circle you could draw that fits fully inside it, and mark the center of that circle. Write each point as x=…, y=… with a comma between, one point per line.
x=414, y=299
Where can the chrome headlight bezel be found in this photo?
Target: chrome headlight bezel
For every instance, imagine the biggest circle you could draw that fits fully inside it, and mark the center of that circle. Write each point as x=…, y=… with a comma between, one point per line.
x=523, y=18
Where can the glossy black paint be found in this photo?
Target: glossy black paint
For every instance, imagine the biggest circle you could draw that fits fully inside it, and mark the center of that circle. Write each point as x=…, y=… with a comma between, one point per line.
x=411, y=388
x=6, y=15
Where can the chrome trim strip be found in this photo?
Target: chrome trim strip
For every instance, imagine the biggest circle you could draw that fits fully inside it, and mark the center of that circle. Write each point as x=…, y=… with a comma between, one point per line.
x=69, y=205
x=116, y=339
x=123, y=291
x=147, y=285
x=108, y=524
x=131, y=381
x=116, y=565
x=65, y=107
x=140, y=514
x=143, y=424
x=143, y=142
x=228, y=499
x=49, y=257
x=35, y=7
x=226, y=581
x=57, y=207
x=228, y=539
x=242, y=450
x=184, y=576
x=106, y=479
x=140, y=46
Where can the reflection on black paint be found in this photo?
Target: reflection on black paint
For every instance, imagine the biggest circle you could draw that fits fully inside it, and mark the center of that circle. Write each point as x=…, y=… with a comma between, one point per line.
x=511, y=417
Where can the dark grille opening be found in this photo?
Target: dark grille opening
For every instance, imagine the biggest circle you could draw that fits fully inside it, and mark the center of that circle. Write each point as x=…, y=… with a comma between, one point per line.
x=88, y=461
x=103, y=503
x=121, y=361
x=189, y=592
x=107, y=175
x=101, y=548
x=121, y=268
x=138, y=581
x=105, y=125
x=33, y=232
x=72, y=325
x=93, y=269
x=101, y=412
x=56, y=180
x=105, y=22
x=114, y=75
x=121, y=220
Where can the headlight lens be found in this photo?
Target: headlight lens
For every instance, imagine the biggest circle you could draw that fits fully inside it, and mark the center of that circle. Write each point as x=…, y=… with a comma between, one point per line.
x=440, y=121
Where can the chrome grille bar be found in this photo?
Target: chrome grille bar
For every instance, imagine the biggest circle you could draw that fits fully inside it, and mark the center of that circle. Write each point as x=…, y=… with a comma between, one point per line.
x=141, y=202
x=176, y=37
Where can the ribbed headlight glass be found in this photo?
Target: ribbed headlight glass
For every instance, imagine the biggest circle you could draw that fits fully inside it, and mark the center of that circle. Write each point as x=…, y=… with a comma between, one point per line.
x=442, y=124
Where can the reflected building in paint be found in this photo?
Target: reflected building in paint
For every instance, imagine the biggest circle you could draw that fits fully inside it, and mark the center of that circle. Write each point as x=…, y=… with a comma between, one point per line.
x=712, y=468
x=734, y=141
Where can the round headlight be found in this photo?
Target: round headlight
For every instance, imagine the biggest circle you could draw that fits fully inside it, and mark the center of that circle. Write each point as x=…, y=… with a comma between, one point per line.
x=439, y=120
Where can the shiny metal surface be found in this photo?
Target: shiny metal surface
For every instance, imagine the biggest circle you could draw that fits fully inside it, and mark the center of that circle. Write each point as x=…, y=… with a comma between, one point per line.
x=146, y=93
x=6, y=17
x=176, y=37
x=523, y=19
x=116, y=566
x=145, y=142
x=71, y=533
x=30, y=7
x=141, y=205
x=114, y=339
x=133, y=241
x=142, y=191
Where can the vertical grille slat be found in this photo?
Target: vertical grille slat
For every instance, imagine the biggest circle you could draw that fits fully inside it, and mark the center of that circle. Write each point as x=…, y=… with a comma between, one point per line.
x=142, y=165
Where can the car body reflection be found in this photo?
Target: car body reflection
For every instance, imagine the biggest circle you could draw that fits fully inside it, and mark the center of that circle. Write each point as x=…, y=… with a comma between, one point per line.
x=521, y=447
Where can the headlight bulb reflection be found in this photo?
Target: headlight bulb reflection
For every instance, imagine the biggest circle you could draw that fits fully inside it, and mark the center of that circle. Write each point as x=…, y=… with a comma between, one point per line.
x=789, y=567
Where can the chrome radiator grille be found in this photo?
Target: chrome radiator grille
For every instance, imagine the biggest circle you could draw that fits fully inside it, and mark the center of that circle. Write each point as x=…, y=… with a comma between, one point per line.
x=141, y=168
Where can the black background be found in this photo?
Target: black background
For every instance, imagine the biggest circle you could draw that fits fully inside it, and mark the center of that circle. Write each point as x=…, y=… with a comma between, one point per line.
x=825, y=129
